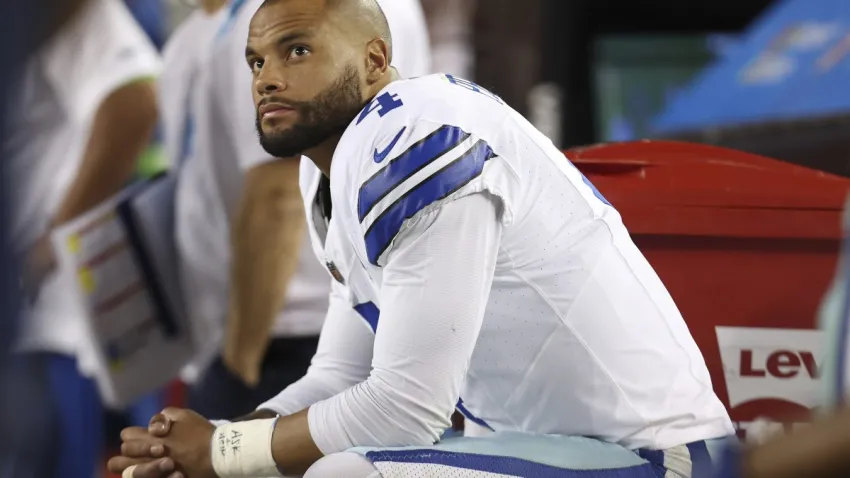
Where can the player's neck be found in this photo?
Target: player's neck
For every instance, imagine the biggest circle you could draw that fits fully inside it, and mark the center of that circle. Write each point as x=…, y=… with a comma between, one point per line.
x=324, y=152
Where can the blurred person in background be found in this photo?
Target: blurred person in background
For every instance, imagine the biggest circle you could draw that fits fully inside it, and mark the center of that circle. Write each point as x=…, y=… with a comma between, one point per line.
x=24, y=430
x=412, y=57
x=23, y=29
x=83, y=110
x=475, y=39
x=200, y=227
x=506, y=35
x=261, y=336
x=450, y=26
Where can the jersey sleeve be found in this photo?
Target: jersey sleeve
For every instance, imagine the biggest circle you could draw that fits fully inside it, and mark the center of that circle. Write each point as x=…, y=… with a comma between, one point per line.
x=99, y=51
x=433, y=296
x=427, y=166
x=343, y=358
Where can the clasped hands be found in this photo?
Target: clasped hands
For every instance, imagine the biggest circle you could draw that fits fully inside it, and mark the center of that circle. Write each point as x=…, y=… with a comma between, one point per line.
x=176, y=444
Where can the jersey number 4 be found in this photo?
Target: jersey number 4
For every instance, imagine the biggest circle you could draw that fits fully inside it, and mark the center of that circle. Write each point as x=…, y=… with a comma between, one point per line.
x=387, y=102
x=383, y=104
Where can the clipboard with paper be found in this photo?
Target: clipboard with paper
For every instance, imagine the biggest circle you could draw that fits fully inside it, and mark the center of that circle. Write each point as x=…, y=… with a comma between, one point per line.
x=121, y=260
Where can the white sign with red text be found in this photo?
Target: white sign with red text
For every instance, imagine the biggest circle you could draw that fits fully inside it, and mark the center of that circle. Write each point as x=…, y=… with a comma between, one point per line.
x=763, y=363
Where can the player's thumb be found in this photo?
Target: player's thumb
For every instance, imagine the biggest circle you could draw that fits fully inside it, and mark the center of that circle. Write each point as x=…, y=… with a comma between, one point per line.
x=160, y=424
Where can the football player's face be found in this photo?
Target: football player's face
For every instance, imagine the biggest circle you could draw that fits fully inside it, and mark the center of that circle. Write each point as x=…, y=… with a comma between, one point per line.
x=307, y=86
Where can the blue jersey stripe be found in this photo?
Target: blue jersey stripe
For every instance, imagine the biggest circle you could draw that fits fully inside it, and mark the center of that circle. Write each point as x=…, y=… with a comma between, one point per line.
x=439, y=185
x=469, y=416
x=370, y=313
x=505, y=465
x=701, y=465
x=730, y=462
x=421, y=154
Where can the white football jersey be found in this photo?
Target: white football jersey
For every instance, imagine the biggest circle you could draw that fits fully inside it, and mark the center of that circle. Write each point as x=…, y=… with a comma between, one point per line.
x=495, y=278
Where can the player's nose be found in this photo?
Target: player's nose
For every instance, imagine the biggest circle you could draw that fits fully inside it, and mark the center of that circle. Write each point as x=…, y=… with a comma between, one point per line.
x=269, y=82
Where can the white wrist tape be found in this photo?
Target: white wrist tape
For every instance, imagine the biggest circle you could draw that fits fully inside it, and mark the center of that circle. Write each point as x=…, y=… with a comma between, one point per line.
x=128, y=472
x=244, y=449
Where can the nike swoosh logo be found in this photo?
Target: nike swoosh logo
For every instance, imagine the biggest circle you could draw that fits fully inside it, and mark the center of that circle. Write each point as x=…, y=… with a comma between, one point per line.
x=380, y=156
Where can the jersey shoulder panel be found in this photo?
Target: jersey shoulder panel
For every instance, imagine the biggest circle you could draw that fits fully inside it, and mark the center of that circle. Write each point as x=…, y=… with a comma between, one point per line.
x=417, y=145
x=426, y=164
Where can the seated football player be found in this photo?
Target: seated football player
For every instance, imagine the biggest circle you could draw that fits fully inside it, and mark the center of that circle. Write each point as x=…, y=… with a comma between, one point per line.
x=474, y=268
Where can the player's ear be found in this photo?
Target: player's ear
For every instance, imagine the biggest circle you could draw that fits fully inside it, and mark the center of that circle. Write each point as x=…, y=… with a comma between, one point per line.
x=377, y=60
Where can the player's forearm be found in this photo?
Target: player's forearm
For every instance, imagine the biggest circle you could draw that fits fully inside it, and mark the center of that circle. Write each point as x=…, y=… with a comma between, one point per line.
x=293, y=448
x=343, y=359
x=266, y=239
x=120, y=132
x=431, y=314
x=430, y=321
x=319, y=384
x=382, y=413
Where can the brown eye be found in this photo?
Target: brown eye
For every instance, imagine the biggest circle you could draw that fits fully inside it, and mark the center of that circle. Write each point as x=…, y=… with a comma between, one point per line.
x=299, y=52
x=256, y=65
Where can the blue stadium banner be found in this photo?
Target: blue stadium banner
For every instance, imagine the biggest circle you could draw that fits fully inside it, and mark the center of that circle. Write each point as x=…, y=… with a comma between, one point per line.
x=792, y=63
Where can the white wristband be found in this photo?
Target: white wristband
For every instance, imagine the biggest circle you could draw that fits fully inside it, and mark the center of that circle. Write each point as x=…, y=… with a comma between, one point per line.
x=244, y=449
x=128, y=472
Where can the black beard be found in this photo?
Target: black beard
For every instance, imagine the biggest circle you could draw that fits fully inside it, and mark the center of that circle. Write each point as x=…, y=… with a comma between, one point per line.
x=325, y=116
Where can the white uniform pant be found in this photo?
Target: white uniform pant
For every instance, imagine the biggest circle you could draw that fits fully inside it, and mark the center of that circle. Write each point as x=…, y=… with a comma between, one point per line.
x=508, y=454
